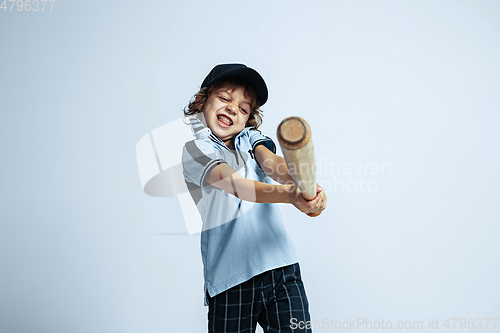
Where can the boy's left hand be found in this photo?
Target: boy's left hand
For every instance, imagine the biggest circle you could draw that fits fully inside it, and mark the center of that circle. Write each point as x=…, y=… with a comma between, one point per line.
x=320, y=192
x=310, y=207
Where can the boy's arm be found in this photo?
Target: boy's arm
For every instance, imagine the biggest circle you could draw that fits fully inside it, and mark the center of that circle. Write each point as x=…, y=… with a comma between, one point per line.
x=273, y=165
x=227, y=179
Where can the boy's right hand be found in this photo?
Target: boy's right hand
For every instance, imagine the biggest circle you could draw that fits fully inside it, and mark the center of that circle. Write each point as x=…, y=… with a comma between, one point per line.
x=308, y=206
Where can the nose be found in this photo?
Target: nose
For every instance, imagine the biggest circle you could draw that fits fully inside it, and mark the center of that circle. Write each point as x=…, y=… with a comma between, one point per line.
x=231, y=109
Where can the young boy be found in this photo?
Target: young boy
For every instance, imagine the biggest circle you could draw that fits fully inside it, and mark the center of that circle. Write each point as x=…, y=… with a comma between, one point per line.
x=250, y=268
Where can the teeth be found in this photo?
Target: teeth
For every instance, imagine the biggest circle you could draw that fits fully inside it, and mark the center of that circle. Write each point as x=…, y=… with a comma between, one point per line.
x=226, y=120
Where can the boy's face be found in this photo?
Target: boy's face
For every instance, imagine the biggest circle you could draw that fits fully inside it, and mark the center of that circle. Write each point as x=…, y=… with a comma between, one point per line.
x=226, y=112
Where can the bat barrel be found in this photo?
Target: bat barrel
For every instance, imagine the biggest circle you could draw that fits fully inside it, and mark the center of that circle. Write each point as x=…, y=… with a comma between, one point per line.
x=293, y=133
x=294, y=136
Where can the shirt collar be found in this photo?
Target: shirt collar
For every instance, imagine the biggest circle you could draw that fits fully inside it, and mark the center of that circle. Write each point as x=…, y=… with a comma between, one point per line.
x=203, y=132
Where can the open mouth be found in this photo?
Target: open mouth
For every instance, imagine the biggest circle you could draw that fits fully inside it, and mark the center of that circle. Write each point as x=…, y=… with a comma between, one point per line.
x=224, y=121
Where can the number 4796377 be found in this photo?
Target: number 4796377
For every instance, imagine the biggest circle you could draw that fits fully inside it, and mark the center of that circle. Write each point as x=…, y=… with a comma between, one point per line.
x=26, y=5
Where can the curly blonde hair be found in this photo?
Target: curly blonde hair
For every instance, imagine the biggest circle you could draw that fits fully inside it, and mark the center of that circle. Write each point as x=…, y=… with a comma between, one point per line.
x=200, y=98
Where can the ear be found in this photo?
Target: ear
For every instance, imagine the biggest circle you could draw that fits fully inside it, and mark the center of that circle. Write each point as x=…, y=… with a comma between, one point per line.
x=251, y=121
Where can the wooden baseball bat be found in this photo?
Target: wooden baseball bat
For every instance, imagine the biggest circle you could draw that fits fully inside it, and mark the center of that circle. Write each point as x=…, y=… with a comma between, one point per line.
x=294, y=136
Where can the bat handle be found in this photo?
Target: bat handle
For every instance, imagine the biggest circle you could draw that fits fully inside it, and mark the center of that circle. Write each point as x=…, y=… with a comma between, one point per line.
x=311, y=198
x=314, y=214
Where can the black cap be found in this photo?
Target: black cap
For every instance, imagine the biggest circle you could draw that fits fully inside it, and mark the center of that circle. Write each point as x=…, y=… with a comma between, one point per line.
x=240, y=71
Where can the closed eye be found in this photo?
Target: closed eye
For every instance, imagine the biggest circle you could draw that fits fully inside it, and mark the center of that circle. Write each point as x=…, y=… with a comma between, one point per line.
x=243, y=110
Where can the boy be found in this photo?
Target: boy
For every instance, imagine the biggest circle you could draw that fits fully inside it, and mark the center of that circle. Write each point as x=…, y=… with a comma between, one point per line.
x=250, y=267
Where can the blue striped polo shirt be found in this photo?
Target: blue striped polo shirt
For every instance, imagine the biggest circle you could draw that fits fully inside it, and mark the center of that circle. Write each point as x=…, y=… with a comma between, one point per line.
x=239, y=239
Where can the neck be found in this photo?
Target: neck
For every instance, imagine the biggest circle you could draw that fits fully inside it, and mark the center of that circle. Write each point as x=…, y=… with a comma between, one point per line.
x=229, y=143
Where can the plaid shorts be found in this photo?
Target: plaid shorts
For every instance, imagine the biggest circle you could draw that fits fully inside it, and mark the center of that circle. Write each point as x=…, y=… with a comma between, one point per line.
x=275, y=299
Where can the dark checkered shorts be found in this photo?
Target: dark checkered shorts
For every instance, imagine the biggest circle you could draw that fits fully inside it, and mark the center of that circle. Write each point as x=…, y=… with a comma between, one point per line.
x=275, y=299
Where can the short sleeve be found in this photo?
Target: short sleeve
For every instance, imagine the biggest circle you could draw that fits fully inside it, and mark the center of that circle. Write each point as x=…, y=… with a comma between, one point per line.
x=198, y=158
x=257, y=138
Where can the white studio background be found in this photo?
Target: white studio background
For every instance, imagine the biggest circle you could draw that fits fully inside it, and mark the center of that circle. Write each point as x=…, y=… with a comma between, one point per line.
x=400, y=95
